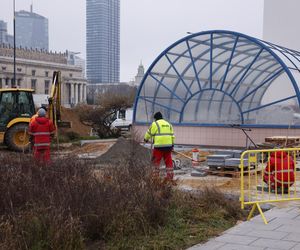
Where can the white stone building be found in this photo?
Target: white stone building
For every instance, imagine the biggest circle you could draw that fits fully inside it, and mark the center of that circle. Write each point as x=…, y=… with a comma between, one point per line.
x=34, y=69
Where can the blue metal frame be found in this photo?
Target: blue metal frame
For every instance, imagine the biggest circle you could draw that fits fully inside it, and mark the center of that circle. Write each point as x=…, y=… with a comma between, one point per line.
x=207, y=74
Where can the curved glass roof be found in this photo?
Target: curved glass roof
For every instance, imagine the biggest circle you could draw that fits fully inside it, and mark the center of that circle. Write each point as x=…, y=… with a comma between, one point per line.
x=220, y=78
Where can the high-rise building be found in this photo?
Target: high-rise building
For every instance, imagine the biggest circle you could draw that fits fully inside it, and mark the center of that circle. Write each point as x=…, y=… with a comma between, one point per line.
x=103, y=41
x=5, y=38
x=31, y=30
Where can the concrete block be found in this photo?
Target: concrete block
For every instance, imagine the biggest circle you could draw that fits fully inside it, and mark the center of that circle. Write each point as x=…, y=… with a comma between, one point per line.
x=198, y=173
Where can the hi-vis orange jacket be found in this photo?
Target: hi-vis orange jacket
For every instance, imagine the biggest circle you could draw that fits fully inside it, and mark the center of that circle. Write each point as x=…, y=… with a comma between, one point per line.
x=41, y=129
x=280, y=170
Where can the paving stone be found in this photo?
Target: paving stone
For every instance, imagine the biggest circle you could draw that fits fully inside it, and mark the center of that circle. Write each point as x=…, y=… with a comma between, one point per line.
x=262, y=226
x=239, y=230
x=210, y=245
x=296, y=247
x=239, y=247
x=289, y=229
x=238, y=239
x=268, y=234
x=285, y=221
x=292, y=237
x=273, y=244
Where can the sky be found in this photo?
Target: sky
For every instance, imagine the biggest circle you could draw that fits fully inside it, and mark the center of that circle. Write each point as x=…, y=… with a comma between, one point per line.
x=148, y=27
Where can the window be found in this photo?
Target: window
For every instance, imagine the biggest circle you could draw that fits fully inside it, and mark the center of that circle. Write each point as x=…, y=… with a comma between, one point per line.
x=33, y=72
x=0, y=83
x=71, y=75
x=19, y=69
x=19, y=82
x=6, y=81
x=33, y=83
x=47, y=83
x=7, y=107
x=122, y=113
x=25, y=103
x=47, y=73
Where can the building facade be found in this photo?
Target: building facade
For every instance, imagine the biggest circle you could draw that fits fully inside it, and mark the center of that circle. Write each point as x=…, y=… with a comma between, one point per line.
x=31, y=30
x=103, y=41
x=34, y=69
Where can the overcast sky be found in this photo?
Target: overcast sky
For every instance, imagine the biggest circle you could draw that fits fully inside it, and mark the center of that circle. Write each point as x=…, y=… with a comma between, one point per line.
x=147, y=26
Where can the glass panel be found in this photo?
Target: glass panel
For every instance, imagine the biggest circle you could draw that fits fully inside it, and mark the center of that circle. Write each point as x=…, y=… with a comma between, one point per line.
x=278, y=114
x=279, y=89
x=211, y=107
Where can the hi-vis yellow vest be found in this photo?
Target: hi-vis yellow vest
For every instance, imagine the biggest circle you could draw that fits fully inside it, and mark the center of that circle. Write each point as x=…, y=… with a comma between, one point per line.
x=162, y=134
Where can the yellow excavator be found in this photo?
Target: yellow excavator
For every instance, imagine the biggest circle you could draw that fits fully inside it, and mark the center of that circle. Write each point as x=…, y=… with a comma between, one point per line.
x=16, y=109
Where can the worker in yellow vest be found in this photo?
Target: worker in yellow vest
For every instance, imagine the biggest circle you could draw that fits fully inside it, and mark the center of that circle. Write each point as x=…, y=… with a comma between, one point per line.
x=162, y=135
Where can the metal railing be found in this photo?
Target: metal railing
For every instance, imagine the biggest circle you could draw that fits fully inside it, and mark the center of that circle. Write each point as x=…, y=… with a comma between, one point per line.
x=268, y=176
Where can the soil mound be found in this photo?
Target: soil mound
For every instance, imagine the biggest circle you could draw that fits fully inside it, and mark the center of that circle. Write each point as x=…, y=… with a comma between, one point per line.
x=123, y=150
x=77, y=125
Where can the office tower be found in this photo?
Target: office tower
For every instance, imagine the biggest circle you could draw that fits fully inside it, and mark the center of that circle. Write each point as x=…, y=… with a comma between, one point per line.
x=103, y=41
x=5, y=38
x=31, y=30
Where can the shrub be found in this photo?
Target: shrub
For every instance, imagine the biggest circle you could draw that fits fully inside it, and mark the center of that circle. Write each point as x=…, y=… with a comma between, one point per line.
x=57, y=206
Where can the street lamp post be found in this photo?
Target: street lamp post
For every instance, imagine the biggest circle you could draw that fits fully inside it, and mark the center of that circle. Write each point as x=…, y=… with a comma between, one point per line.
x=14, y=80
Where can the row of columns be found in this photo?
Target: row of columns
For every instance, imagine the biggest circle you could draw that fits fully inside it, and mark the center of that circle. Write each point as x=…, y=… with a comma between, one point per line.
x=77, y=93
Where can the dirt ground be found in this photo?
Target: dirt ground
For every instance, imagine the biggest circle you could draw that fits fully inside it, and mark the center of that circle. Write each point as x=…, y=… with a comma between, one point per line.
x=77, y=126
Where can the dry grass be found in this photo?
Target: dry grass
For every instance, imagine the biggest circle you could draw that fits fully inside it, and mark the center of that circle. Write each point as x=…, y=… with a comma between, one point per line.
x=67, y=206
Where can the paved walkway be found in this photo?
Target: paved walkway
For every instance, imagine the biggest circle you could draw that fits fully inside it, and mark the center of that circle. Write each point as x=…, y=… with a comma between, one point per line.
x=281, y=232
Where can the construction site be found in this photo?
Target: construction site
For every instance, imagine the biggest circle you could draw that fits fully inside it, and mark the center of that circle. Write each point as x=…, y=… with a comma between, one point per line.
x=232, y=119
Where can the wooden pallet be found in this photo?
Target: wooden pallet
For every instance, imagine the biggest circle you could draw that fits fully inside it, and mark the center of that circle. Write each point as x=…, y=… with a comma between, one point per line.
x=232, y=173
x=292, y=141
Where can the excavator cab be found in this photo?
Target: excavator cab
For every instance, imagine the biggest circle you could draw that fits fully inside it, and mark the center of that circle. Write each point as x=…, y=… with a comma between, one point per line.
x=16, y=109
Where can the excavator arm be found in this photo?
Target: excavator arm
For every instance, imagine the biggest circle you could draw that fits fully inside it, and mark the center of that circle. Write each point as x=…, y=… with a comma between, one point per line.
x=55, y=102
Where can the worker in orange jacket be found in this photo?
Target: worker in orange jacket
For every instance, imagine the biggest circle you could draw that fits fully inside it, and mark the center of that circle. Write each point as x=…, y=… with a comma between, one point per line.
x=279, y=172
x=36, y=114
x=41, y=129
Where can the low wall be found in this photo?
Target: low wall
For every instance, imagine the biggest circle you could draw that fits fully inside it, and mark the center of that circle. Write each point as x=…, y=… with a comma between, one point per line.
x=218, y=136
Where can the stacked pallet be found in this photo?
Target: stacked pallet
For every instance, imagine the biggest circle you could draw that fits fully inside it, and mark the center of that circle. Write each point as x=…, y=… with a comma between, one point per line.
x=283, y=141
x=234, y=163
x=217, y=161
x=228, y=164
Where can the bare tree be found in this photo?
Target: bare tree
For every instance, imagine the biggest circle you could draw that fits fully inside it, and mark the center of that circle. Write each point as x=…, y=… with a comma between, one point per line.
x=101, y=116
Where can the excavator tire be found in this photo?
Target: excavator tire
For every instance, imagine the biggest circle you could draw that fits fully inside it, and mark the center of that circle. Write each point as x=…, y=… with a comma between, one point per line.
x=17, y=138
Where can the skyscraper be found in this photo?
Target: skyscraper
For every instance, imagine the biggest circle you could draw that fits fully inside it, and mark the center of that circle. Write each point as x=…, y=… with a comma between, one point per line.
x=103, y=41
x=31, y=30
x=5, y=38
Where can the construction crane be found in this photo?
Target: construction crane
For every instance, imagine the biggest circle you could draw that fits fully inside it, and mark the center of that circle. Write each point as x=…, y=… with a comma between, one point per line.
x=16, y=109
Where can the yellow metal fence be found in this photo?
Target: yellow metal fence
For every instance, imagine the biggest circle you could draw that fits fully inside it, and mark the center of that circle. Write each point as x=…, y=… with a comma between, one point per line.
x=268, y=176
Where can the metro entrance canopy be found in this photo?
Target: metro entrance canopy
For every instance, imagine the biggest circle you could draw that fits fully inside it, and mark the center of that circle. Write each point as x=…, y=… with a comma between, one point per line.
x=217, y=78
